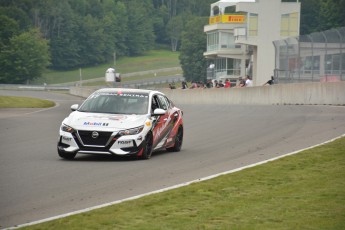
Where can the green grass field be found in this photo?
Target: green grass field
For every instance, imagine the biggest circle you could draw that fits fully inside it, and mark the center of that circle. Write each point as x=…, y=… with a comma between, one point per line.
x=24, y=102
x=155, y=59
x=302, y=191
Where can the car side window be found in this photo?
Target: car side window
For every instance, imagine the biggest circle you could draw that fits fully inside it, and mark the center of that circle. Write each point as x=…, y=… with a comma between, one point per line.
x=154, y=104
x=163, y=102
x=168, y=102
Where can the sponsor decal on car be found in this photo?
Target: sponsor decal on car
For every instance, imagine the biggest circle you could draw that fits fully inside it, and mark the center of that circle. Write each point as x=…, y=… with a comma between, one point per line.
x=66, y=138
x=88, y=123
x=160, y=129
x=112, y=117
x=125, y=143
x=120, y=94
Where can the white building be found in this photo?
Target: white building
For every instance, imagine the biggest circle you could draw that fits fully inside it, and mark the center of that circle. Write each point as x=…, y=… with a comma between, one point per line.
x=240, y=37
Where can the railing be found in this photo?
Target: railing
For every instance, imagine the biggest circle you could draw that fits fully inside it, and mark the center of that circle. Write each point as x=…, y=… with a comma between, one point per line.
x=317, y=57
x=143, y=83
x=223, y=73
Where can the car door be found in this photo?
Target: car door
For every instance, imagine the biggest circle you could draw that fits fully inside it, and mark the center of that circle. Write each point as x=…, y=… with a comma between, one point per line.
x=162, y=124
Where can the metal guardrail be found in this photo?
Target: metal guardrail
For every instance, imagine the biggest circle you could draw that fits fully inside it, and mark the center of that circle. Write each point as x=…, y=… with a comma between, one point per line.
x=123, y=76
x=32, y=87
x=143, y=83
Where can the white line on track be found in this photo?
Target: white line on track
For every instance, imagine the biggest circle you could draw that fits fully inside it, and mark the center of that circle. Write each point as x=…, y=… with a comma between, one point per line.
x=169, y=188
x=41, y=110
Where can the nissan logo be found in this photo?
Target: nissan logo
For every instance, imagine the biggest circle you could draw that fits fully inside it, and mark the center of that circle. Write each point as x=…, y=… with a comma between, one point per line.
x=95, y=134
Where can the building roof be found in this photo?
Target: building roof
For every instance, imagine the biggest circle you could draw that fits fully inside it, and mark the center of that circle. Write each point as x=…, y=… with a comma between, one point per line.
x=225, y=3
x=222, y=4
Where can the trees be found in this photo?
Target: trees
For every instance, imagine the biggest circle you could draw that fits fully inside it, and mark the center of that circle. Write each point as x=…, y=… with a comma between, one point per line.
x=174, y=30
x=331, y=14
x=24, y=58
x=8, y=28
x=193, y=46
x=140, y=34
x=320, y=15
x=88, y=32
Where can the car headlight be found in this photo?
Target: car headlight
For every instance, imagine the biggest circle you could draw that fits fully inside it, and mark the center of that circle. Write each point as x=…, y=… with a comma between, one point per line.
x=67, y=128
x=131, y=131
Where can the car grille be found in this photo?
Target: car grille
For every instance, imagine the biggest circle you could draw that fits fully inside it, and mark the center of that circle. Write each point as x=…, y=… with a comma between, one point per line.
x=87, y=139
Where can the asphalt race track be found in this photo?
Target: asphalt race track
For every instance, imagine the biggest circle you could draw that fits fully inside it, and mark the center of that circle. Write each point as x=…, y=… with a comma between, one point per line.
x=37, y=184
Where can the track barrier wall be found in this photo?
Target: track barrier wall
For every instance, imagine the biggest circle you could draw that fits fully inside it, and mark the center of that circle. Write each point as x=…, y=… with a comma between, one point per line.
x=327, y=93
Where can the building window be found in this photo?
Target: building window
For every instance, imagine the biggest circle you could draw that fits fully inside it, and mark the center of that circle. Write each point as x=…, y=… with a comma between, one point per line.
x=253, y=25
x=212, y=41
x=216, y=10
x=233, y=67
x=332, y=64
x=227, y=40
x=289, y=25
x=311, y=64
x=221, y=40
x=227, y=67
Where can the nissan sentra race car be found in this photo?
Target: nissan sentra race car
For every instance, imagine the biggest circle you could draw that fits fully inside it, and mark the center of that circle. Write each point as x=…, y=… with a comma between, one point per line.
x=126, y=122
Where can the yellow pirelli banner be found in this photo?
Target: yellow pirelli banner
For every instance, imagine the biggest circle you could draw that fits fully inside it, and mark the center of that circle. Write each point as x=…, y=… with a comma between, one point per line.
x=227, y=18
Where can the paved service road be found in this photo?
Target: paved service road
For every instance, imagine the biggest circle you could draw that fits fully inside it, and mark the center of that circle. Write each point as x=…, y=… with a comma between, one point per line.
x=36, y=183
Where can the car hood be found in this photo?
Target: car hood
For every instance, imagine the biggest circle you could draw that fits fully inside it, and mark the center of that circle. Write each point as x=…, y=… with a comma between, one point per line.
x=100, y=121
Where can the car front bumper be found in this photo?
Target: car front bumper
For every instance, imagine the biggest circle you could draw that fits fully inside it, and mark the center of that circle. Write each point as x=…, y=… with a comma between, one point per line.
x=122, y=145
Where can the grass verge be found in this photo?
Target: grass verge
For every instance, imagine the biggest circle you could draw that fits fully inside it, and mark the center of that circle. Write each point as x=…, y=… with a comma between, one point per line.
x=24, y=102
x=154, y=59
x=148, y=77
x=302, y=191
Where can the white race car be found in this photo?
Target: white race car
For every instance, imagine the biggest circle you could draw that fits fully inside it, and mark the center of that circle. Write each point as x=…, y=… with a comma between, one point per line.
x=126, y=122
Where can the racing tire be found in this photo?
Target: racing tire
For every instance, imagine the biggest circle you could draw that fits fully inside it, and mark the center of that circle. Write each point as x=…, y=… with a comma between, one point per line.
x=67, y=156
x=147, y=152
x=178, y=141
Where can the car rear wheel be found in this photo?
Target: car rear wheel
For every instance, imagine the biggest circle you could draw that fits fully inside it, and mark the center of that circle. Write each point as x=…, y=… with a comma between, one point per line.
x=148, y=147
x=178, y=141
x=65, y=155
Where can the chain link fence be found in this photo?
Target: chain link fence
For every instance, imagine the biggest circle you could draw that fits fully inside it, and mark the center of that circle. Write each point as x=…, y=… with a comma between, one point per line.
x=317, y=57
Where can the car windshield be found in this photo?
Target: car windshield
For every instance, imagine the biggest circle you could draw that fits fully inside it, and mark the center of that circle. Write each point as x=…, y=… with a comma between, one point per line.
x=116, y=103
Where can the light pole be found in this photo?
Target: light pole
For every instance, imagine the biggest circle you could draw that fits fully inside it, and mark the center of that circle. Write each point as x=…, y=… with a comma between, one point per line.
x=80, y=77
x=114, y=59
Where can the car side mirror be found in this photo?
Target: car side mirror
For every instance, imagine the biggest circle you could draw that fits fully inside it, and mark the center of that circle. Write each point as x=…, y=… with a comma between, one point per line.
x=74, y=107
x=159, y=112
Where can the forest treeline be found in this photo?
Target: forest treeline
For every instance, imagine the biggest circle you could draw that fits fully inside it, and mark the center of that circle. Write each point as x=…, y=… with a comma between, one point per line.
x=67, y=34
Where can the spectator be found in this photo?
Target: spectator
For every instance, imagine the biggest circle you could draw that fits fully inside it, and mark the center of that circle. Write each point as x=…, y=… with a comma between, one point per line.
x=194, y=85
x=227, y=83
x=184, y=85
x=220, y=85
x=209, y=84
x=215, y=84
x=172, y=85
x=270, y=82
x=249, y=81
x=242, y=83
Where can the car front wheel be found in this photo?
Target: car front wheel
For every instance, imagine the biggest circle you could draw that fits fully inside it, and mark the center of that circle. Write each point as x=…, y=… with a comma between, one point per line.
x=147, y=152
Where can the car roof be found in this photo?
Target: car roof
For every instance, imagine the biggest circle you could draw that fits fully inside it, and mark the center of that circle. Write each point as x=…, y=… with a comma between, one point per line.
x=128, y=90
